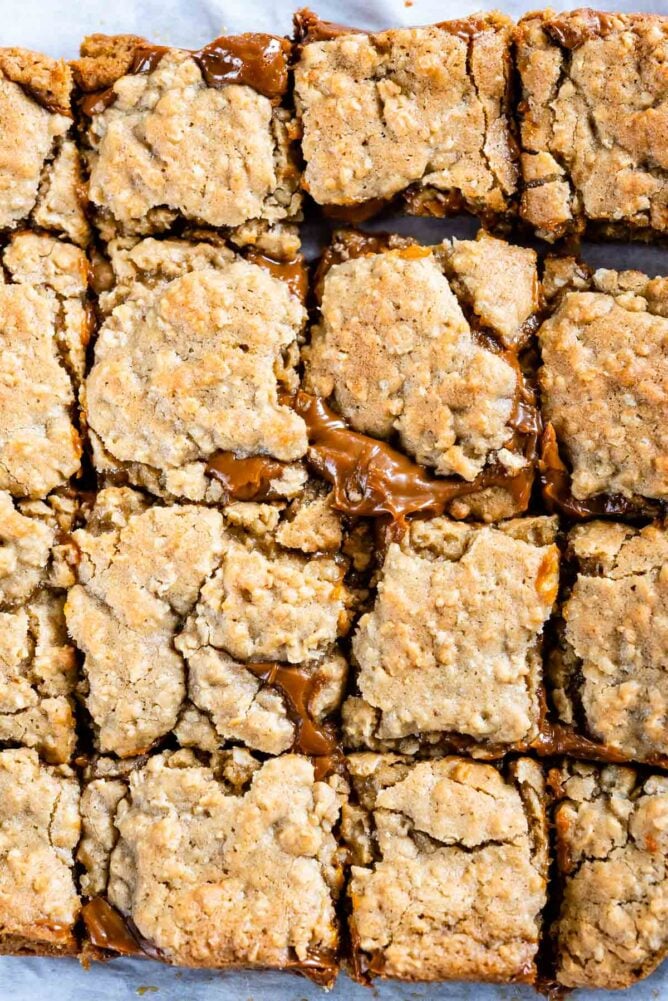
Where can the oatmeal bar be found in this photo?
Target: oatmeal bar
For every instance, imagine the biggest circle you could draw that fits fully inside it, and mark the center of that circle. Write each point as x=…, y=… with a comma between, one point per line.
x=417, y=112
x=226, y=864
x=40, y=172
x=593, y=120
x=604, y=397
x=608, y=672
x=201, y=137
x=196, y=354
x=449, y=656
x=222, y=607
x=45, y=324
x=39, y=831
x=449, y=868
x=420, y=343
x=37, y=661
x=612, y=854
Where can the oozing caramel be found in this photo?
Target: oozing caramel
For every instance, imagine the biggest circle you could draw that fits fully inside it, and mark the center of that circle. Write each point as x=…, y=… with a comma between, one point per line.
x=245, y=479
x=297, y=687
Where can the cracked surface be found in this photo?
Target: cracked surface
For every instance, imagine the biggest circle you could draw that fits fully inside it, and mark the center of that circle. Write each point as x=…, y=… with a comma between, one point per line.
x=594, y=114
x=170, y=147
x=395, y=352
x=40, y=173
x=44, y=328
x=37, y=662
x=172, y=600
x=192, y=359
x=451, y=647
x=419, y=106
x=225, y=866
x=449, y=867
x=612, y=663
x=612, y=840
x=39, y=830
x=605, y=384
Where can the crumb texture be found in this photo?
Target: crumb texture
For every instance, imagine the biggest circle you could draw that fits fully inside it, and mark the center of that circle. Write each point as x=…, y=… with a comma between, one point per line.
x=612, y=829
x=200, y=863
x=451, y=644
x=449, y=873
x=416, y=106
x=39, y=830
x=594, y=114
x=192, y=360
x=605, y=386
x=170, y=146
x=44, y=328
x=616, y=635
x=396, y=353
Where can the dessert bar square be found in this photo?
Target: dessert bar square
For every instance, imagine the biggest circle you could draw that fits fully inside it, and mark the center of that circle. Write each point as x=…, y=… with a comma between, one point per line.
x=449, y=656
x=418, y=345
x=40, y=171
x=199, y=137
x=449, y=868
x=38, y=668
x=593, y=120
x=418, y=112
x=226, y=864
x=197, y=356
x=608, y=670
x=603, y=381
x=39, y=832
x=612, y=854
x=45, y=324
x=223, y=608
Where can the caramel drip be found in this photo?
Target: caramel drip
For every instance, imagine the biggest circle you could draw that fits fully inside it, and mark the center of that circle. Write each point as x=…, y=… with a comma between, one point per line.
x=556, y=487
x=293, y=273
x=107, y=928
x=370, y=478
x=571, y=32
x=254, y=60
x=245, y=479
x=309, y=28
x=297, y=687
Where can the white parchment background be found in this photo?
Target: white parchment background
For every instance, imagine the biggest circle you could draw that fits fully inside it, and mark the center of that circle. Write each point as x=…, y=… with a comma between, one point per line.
x=56, y=27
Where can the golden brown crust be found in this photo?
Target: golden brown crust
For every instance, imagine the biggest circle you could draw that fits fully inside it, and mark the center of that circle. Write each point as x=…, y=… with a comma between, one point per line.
x=47, y=80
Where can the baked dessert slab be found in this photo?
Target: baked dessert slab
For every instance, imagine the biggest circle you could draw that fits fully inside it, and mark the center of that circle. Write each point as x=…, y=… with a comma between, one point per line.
x=38, y=668
x=178, y=136
x=201, y=621
x=449, y=868
x=592, y=116
x=39, y=832
x=418, y=345
x=607, y=673
x=422, y=113
x=604, y=400
x=611, y=853
x=449, y=656
x=45, y=324
x=195, y=357
x=187, y=862
x=41, y=183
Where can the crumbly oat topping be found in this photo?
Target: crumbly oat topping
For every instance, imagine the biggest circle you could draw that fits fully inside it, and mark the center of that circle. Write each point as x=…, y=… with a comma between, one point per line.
x=593, y=115
x=449, y=867
x=414, y=106
x=200, y=862
x=451, y=645
x=39, y=830
x=612, y=829
x=605, y=385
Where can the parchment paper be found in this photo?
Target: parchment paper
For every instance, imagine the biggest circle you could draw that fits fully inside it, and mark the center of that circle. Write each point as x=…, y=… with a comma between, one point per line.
x=56, y=27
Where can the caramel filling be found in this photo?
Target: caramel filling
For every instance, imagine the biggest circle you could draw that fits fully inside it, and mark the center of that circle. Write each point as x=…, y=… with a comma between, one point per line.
x=107, y=928
x=246, y=479
x=253, y=60
x=297, y=688
x=293, y=273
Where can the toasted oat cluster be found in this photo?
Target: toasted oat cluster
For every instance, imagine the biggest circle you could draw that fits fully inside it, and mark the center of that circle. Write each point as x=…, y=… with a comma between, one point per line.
x=612, y=852
x=334, y=582
x=593, y=120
